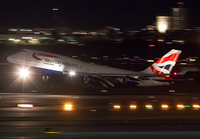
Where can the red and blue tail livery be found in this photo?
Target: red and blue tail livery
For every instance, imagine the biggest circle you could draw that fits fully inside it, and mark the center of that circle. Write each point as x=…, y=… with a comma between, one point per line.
x=165, y=64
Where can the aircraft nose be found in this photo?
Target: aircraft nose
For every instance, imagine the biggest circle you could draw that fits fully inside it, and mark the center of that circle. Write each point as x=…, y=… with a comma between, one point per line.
x=9, y=59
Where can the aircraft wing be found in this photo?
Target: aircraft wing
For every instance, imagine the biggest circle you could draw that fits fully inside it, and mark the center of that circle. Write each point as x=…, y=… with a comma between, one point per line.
x=139, y=75
x=117, y=75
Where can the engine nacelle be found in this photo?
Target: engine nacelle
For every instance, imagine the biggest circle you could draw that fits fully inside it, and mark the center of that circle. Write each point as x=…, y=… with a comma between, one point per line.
x=130, y=80
x=90, y=80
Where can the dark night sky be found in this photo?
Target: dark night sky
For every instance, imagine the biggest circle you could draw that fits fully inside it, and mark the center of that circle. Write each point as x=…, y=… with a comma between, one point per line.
x=90, y=14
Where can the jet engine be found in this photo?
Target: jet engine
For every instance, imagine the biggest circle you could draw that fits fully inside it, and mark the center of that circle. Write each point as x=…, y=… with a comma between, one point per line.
x=130, y=80
x=90, y=80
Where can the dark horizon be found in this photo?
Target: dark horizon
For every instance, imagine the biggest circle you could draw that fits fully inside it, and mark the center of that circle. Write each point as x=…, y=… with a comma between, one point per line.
x=90, y=14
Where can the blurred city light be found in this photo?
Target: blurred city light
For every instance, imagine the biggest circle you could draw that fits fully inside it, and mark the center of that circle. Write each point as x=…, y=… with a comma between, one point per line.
x=151, y=45
x=25, y=105
x=16, y=41
x=93, y=110
x=150, y=60
x=162, y=28
x=55, y=9
x=192, y=59
x=183, y=63
x=160, y=40
x=11, y=39
x=163, y=23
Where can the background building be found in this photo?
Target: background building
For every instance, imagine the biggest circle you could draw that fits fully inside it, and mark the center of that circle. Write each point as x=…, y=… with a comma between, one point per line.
x=163, y=23
x=179, y=18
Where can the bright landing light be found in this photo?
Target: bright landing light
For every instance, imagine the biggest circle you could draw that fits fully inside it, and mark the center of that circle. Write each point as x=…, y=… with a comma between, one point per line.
x=72, y=73
x=23, y=73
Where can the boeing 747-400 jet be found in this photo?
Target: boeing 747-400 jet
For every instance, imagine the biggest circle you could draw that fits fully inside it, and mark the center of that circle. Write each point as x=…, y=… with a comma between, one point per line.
x=154, y=75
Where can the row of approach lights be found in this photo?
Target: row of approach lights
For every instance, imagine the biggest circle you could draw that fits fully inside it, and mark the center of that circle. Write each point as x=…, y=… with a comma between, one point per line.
x=164, y=106
x=68, y=107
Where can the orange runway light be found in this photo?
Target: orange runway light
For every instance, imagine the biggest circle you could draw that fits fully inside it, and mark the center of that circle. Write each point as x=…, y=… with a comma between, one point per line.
x=132, y=107
x=196, y=107
x=180, y=106
x=149, y=106
x=117, y=106
x=68, y=107
x=164, y=106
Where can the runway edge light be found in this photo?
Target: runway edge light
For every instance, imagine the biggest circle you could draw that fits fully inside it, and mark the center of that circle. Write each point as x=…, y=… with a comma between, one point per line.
x=117, y=107
x=67, y=107
x=180, y=106
x=149, y=106
x=195, y=106
x=133, y=107
x=164, y=106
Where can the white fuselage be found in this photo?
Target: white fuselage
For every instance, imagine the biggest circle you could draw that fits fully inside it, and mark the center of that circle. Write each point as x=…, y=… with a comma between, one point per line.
x=60, y=63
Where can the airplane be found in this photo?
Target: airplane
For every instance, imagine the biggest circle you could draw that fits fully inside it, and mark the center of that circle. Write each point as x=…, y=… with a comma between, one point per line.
x=156, y=74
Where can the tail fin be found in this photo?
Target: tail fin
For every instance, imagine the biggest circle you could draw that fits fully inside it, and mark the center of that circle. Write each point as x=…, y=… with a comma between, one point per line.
x=165, y=64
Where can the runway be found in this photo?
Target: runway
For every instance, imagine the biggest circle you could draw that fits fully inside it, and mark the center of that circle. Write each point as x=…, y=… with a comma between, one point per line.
x=150, y=112
x=96, y=116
